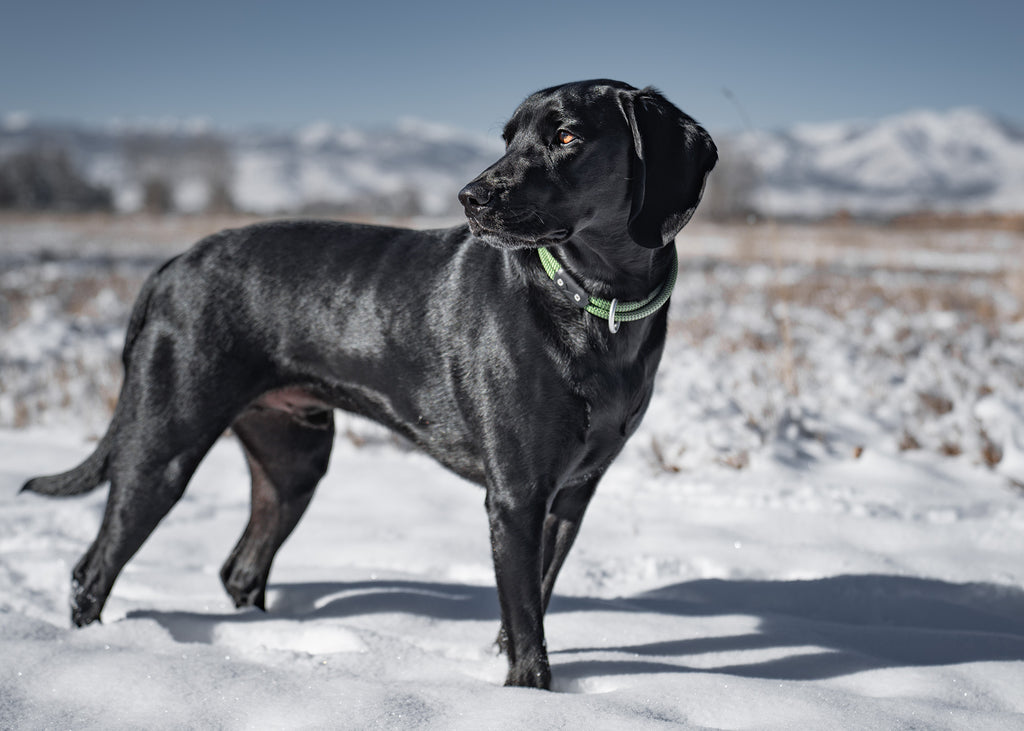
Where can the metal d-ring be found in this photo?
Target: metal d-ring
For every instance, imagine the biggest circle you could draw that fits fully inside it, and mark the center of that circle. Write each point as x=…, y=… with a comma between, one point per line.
x=612, y=325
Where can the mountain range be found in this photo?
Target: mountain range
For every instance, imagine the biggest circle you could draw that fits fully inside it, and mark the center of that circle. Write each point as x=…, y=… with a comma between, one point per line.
x=961, y=160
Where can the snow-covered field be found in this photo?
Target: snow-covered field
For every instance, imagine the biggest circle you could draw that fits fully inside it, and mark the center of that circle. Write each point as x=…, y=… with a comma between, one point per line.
x=820, y=523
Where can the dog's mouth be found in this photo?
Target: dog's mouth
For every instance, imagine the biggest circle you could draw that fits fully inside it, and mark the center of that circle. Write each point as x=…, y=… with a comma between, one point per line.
x=503, y=237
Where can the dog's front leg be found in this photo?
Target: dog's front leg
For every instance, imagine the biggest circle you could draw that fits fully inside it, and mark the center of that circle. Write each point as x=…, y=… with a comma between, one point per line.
x=517, y=527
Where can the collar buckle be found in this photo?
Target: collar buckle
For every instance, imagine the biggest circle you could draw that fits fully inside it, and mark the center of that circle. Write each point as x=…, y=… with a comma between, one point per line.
x=571, y=288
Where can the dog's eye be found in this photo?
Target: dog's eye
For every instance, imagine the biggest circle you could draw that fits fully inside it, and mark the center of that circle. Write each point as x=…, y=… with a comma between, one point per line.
x=565, y=136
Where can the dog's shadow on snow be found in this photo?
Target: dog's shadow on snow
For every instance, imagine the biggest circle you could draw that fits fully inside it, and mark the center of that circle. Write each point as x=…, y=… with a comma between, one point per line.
x=812, y=629
x=819, y=628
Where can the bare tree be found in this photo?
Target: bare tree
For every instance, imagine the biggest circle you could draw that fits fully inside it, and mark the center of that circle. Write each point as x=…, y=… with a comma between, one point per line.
x=161, y=162
x=44, y=178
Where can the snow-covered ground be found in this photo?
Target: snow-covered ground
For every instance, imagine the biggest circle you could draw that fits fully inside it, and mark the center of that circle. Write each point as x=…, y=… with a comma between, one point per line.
x=820, y=523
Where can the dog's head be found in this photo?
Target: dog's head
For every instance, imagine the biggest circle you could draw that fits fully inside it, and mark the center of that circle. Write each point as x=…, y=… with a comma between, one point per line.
x=592, y=158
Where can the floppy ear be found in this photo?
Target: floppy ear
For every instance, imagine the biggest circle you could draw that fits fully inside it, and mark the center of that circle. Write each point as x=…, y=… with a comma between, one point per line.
x=674, y=155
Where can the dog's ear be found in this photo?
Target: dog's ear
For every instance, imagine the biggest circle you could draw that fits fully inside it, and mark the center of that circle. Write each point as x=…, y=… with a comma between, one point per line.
x=673, y=156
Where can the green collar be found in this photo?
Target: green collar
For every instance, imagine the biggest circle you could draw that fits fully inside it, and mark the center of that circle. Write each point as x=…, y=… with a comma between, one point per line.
x=614, y=312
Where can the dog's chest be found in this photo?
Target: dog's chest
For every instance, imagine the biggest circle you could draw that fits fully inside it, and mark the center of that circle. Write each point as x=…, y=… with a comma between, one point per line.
x=617, y=396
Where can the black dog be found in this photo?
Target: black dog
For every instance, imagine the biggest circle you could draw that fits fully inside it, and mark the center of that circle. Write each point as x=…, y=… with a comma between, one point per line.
x=464, y=340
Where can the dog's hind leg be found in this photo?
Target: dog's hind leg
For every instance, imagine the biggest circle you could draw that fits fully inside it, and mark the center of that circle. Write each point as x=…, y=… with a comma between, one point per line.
x=149, y=470
x=173, y=406
x=287, y=456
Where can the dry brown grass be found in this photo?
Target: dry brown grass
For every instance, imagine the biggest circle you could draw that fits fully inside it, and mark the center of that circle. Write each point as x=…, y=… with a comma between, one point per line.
x=664, y=463
x=940, y=293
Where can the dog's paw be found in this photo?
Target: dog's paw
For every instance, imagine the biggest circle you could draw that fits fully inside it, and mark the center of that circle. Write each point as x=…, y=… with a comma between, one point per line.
x=85, y=606
x=246, y=588
x=534, y=674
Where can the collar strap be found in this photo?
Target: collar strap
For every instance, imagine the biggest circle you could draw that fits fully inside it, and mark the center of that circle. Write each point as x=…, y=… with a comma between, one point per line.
x=614, y=312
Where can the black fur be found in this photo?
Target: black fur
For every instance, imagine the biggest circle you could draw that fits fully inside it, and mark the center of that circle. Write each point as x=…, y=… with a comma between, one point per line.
x=454, y=338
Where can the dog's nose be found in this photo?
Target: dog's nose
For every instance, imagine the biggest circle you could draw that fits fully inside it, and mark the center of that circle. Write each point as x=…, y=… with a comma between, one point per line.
x=474, y=196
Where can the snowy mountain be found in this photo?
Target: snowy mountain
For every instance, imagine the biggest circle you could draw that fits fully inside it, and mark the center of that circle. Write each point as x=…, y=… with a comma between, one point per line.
x=411, y=168
x=957, y=161
x=414, y=167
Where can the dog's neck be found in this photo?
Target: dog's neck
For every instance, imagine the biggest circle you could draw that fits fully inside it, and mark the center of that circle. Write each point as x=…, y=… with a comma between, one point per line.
x=614, y=269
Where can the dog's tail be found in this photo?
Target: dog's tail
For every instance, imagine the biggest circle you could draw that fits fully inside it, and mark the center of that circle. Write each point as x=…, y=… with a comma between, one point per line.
x=93, y=471
x=83, y=478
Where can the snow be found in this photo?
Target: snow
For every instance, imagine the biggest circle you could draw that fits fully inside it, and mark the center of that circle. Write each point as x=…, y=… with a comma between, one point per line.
x=766, y=553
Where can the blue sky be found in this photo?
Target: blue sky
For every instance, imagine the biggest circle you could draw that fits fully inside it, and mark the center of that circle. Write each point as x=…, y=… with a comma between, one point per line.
x=469, y=63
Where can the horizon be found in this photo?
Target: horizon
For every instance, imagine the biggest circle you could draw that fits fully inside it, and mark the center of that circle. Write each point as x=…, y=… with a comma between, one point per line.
x=19, y=120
